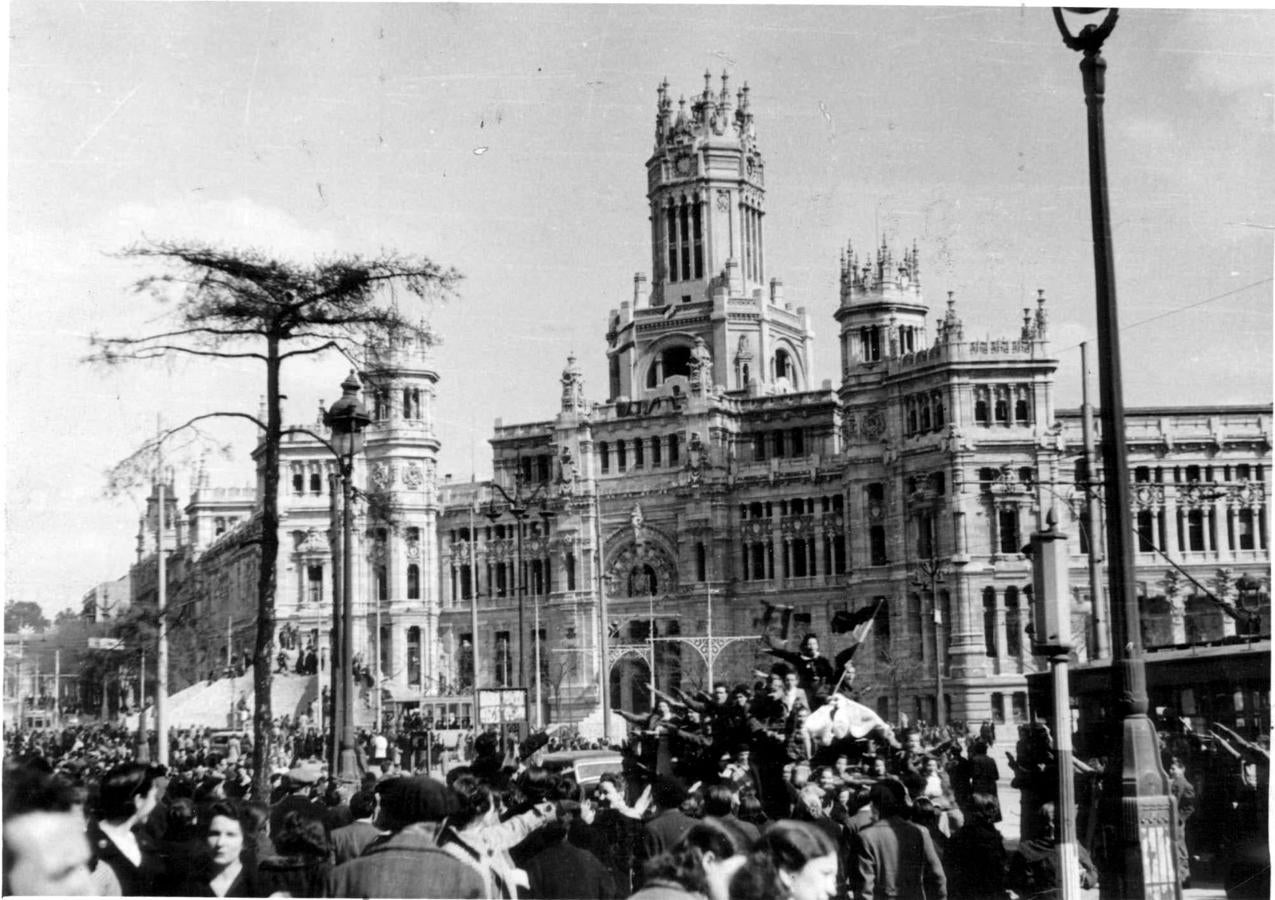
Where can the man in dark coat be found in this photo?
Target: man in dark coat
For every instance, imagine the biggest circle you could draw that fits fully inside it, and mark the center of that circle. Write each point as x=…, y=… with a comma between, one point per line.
x=670, y=824
x=563, y=872
x=297, y=784
x=349, y=841
x=407, y=862
x=895, y=857
x=1183, y=793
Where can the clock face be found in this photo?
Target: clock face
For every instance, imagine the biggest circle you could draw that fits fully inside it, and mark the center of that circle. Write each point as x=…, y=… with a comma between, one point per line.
x=683, y=165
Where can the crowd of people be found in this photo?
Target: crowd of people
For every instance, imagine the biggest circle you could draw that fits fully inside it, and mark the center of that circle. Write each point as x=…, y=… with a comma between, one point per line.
x=786, y=787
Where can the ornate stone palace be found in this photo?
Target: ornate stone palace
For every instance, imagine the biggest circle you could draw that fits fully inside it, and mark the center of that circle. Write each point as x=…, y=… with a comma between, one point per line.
x=715, y=479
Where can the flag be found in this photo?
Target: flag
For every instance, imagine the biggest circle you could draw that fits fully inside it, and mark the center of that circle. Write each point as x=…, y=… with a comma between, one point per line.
x=843, y=620
x=858, y=623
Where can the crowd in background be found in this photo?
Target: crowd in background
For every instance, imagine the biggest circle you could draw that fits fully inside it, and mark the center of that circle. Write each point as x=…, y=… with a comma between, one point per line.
x=785, y=787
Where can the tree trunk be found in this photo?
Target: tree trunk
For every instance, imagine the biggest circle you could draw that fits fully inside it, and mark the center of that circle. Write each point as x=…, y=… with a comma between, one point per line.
x=262, y=670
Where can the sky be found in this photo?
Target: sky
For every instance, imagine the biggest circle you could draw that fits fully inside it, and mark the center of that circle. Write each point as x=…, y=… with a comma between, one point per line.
x=510, y=141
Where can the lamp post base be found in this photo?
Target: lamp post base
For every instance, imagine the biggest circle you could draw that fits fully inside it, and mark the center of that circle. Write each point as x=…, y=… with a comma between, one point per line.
x=1146, y=864
x=348, y=765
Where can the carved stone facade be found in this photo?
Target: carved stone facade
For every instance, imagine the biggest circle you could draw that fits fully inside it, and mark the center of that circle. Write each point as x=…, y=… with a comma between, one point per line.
x=714, y=472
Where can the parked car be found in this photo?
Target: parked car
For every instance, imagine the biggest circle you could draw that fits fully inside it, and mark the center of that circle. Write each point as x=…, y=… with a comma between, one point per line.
x=588, y=766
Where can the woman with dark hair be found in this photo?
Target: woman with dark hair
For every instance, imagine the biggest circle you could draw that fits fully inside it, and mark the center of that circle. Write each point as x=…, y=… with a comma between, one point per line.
x=700, y=865
x=182, y=845
x=128, y=794
x=222, y=872
x=302, y=858
x=976, y=859
x=792, y=861
x=477, y=837
x=752, y=811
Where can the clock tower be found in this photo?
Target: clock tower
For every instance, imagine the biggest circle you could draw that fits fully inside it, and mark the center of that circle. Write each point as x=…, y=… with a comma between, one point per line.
x=710, y=319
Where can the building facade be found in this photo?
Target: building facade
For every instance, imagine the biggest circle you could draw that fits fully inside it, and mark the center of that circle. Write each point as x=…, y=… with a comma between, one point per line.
x=715, y=479
x=710, y=487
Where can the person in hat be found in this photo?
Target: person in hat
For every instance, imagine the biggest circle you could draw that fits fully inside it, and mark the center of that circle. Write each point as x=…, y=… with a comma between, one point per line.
x=297, y=786
x=407, y=862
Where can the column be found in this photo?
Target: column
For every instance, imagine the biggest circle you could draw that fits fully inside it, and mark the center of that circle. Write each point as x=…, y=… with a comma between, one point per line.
x=1222, y=541
x=1001, y=647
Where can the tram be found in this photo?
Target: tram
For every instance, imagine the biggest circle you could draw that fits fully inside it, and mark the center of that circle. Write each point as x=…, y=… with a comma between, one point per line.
x=1226, y=681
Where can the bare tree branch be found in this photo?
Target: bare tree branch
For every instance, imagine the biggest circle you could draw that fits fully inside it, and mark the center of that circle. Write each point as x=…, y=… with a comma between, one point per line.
x=330, y=345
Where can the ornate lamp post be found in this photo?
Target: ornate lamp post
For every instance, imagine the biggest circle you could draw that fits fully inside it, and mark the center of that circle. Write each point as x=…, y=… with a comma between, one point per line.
x=1249, y=594
x=1141, y=863
x=519, y=506
x=347, y=418
x=930, y=574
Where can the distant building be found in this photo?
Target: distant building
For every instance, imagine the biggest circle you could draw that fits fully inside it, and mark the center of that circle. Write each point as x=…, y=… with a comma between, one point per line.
x=106, y=601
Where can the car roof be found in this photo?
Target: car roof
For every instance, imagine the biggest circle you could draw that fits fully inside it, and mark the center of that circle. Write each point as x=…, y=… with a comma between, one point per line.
x=566, y=756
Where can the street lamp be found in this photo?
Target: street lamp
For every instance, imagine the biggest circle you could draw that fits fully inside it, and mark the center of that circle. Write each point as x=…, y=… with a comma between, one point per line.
x=519, y=506
x=347, y=418
x=930, y=573
x=1249, y=594
x=1142, y=864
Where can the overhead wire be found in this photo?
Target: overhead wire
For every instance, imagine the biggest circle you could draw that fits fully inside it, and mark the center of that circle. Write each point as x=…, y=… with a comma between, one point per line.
x=1175, y=311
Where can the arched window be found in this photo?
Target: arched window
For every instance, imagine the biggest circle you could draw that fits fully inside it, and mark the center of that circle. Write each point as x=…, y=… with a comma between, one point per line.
x=673, y=449
x=316, y=482
x=604, y=455
x=677, y=361
x=938, y=412
x=783, y=365
x=569, y=563
x=382, y=584
x=414, y=582
x=911, y=418
x=1020, y=410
